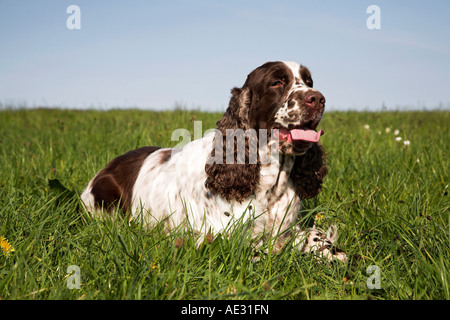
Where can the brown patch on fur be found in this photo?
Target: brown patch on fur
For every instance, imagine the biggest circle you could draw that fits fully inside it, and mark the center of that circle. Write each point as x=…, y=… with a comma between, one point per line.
x=165, y=155
x=306, y=76
x=113, y=186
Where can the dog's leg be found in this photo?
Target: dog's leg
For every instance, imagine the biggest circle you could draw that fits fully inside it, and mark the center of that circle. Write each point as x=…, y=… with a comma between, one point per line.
x=320, y=243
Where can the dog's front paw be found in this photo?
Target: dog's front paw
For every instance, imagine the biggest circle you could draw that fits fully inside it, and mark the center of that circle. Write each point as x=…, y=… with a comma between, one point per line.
x=322, y=244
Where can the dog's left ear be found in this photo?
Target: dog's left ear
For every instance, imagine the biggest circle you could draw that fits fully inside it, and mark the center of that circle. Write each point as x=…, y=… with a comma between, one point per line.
x=309, y=171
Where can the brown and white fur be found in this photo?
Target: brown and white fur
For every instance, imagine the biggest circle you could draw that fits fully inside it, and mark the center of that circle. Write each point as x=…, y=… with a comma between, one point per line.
x=189, y=186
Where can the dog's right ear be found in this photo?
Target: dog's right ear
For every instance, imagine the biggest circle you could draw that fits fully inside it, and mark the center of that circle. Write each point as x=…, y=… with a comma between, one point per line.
x=236, y=115
x=233, y=181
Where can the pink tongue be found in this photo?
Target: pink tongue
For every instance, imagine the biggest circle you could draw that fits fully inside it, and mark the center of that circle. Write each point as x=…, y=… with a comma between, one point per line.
x=300, y=135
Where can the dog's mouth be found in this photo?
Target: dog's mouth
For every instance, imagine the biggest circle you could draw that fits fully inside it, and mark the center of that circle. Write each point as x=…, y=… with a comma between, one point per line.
x=297, y=138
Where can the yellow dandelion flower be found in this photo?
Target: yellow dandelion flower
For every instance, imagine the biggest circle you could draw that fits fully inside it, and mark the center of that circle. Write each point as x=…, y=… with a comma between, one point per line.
x=153, y=265
x=319, y=217
x=6, y=247
x=347, y=281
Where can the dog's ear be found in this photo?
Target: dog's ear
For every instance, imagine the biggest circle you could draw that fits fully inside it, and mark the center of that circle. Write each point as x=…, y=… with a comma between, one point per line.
x=237, y=180
x=237, y=113
x=309, y=171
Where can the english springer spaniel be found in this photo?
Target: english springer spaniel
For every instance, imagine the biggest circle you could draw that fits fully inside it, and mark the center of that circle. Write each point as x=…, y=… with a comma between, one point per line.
x=262, y=160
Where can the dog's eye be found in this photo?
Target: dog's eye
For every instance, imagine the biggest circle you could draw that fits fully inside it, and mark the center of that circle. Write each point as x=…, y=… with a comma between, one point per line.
x=277, y=83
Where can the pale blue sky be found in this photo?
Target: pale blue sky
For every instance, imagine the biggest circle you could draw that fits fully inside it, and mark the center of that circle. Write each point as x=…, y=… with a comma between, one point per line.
x=155, y=54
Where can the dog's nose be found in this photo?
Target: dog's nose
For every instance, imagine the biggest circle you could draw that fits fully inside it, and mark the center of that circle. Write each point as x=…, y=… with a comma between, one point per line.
x=315, y=100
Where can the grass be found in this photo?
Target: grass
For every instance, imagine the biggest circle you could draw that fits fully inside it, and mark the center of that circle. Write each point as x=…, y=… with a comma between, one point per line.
x=390, y=201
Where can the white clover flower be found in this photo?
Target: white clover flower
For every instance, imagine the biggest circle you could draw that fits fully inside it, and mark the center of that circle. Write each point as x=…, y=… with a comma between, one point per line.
x=398, y=139
x=406, y=142
x=388, y=130
x=366, y=126
x=396, y=132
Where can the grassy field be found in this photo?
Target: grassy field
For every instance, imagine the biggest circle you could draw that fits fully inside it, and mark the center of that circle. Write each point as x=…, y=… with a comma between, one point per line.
x=390, y=200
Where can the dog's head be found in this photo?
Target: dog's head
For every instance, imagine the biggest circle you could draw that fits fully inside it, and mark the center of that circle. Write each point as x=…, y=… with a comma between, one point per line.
x=280, y=97
x=277, y=97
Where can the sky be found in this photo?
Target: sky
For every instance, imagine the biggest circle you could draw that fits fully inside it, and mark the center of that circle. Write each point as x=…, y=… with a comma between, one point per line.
x=164, y=54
